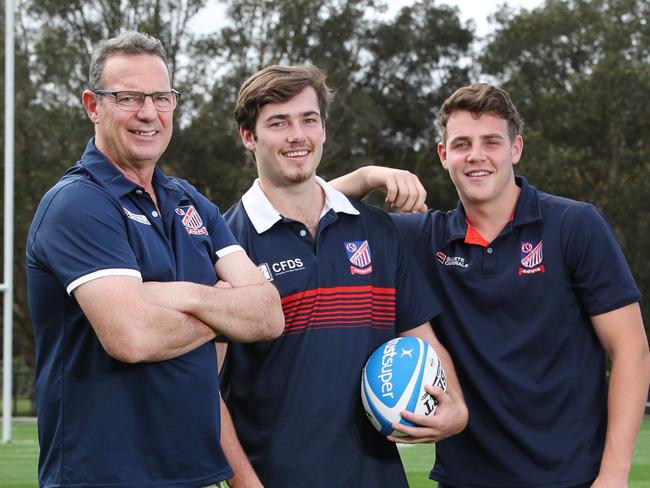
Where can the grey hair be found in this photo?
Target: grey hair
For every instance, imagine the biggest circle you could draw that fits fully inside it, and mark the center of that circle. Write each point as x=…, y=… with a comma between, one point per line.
x=127, y=43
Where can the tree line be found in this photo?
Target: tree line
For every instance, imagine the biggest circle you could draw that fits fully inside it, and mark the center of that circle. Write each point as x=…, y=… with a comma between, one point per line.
x=578, y=70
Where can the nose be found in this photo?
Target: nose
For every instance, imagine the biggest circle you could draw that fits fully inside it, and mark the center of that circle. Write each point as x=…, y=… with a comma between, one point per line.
x=148, y=110
x=296, y=134
x=476, y=153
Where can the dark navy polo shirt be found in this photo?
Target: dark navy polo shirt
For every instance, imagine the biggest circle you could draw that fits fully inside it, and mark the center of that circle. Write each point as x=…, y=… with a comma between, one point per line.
x=295, y=401
x=102, y=422
x=516, y=321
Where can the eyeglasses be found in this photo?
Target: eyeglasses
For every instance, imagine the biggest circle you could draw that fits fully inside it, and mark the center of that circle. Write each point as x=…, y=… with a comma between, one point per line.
x=132, y=101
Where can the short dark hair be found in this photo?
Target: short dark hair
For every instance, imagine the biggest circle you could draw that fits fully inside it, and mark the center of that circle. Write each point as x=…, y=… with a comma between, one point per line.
x=481, y=98
x=127, y=43
x=277, y=84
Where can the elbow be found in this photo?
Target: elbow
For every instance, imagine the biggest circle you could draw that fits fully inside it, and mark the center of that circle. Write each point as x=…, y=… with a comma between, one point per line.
x=125, y=353
x=272, y=320
x=127, y=348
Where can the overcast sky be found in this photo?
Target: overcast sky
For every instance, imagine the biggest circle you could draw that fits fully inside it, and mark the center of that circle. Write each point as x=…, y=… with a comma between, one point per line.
x=476, y=10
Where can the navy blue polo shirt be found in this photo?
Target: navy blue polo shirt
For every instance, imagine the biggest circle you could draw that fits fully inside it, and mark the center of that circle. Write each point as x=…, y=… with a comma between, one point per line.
x=295, y=401
x=516, y=321
x=102, y=422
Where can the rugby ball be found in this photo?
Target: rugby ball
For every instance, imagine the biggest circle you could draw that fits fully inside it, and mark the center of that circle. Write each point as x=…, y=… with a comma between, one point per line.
x=393, y=380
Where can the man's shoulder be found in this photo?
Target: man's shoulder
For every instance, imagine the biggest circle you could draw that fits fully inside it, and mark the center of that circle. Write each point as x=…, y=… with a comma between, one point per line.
x=554, y=207
x=182, y=185
x=237, y=219
x=551, y=200
x=236, y=213
x=73, y=189
x=422, y=220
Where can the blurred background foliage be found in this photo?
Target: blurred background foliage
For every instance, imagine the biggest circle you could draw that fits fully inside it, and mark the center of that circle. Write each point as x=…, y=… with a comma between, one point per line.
x=578, y=70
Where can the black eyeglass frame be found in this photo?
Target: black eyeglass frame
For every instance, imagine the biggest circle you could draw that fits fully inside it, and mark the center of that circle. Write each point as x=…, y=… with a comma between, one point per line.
x=176, y=93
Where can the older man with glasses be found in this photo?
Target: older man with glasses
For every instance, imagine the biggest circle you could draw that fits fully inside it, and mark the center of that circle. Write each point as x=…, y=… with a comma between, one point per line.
x=122, y=266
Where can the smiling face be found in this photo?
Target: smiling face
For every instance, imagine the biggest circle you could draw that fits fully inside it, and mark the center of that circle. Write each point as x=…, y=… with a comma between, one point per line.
x=288, y=140
x=131, y=139
x=480, y=158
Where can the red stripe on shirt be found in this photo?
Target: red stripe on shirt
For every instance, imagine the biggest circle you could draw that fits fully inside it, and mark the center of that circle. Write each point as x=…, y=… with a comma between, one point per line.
x=341, y=306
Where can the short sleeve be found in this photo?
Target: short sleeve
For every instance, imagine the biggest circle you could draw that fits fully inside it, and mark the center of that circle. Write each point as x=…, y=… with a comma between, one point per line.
x=79, y=234
x=223, y=240
x=600, y=274
x=416, y=302
x=414, y=230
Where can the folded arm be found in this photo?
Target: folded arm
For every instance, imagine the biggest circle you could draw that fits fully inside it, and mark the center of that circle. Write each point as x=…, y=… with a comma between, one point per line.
x=249, y=310
x=131, y=329
x=155, y=321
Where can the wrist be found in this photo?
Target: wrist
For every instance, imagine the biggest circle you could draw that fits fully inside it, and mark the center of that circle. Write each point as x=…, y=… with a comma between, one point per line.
x=366, y=174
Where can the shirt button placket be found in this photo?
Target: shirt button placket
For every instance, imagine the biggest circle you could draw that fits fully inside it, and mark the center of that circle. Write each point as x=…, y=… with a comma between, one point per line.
x=489, y=265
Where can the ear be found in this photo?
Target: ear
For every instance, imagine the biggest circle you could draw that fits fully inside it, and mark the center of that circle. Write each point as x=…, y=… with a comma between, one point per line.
x=517, y=148
x=248, y=138
x=89, y=100
x=442, y=154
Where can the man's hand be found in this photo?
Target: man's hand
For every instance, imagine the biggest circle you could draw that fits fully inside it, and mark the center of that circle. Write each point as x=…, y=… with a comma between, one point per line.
x=450, y=418
x=404, y=192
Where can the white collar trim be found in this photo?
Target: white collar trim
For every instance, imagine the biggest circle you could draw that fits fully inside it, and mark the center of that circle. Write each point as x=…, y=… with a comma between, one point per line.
x=263, y=215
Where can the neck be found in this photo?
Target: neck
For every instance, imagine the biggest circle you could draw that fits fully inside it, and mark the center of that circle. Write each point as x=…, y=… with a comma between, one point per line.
x=490, y=217
x=140, y=174
x=302, y=202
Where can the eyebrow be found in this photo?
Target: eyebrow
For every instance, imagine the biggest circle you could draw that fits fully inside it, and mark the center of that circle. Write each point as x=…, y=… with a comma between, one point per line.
x=287, y=116
x=495, y=135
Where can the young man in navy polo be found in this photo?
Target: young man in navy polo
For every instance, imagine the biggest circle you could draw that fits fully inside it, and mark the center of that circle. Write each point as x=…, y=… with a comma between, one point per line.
x=121, y=266
x=535, y=293
x=346, y=287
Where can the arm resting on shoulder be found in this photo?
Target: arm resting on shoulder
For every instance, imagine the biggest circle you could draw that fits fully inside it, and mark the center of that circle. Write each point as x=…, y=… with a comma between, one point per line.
x=132, y=330
x=451, y=414
x=249, y=311
x=404, y=192
x=622, y=334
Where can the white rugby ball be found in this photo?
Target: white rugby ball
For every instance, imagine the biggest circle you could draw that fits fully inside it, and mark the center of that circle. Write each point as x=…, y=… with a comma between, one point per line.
x=393, y=380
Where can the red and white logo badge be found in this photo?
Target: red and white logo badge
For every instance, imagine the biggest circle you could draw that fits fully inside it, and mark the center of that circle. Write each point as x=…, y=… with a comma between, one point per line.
x=192, y=220
x=532, y=256
x=359, y=255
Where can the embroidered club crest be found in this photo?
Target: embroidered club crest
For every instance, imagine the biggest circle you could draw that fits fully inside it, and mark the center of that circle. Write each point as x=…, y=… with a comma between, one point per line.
x=532, y=256
x=359, y=255
x=191, y=220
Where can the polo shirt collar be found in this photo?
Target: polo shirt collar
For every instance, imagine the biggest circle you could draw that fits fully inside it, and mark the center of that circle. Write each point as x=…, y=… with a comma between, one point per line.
x=528, y=207
x=263, y=215
x=527, y=210
x=100, y=168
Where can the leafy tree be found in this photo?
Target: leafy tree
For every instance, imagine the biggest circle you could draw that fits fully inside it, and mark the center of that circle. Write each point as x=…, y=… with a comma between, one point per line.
x=53, y=44
x=579, y=72
x=389, y=77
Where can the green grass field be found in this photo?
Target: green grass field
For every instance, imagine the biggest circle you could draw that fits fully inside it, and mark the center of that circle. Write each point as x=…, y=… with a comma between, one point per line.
x=18, y=459
x=419, y=460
